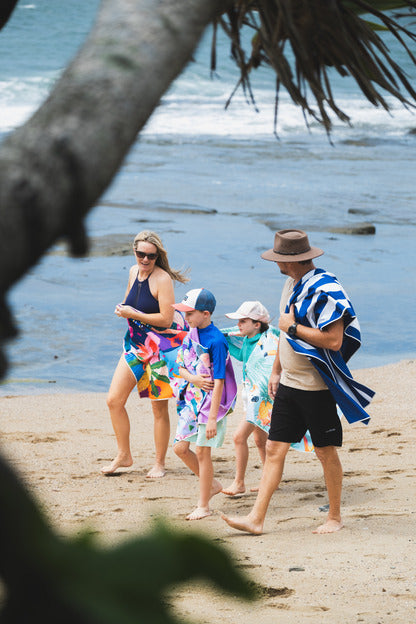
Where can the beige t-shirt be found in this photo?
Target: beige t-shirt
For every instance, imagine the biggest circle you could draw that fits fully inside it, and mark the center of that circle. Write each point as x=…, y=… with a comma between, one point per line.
x=297, y=370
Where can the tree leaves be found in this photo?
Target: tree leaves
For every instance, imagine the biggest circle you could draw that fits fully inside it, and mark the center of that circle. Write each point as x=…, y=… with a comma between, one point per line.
x=302, y=39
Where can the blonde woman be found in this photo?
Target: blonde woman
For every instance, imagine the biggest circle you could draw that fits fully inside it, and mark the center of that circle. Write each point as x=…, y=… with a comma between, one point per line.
x=155, y=332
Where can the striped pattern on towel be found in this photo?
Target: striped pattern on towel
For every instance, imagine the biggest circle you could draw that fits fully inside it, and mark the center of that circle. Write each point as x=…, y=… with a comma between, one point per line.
x=319, y=300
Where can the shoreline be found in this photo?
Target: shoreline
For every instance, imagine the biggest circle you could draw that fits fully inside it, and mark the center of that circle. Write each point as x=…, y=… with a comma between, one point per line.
x=365, y=572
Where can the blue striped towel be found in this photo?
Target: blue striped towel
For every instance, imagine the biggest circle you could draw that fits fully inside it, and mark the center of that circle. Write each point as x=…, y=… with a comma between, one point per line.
x=320, y=300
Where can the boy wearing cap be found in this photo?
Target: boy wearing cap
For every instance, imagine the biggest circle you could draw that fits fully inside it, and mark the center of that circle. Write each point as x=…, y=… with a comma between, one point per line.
x=255, y=345
x=206, y=396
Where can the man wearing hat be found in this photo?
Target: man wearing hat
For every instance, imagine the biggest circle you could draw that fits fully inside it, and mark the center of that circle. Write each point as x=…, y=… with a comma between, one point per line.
x=310, y=377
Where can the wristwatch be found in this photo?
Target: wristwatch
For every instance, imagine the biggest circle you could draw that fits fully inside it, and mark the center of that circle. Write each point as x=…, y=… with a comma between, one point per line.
x=292, y=330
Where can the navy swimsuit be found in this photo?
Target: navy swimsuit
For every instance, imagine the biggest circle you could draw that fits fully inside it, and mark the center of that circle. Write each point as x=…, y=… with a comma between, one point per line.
x=140, y=298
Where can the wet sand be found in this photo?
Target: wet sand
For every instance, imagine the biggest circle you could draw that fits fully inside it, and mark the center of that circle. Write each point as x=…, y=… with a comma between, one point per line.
x=364, y=573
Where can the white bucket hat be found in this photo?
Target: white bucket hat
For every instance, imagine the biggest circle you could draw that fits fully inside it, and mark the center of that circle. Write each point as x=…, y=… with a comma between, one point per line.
x=253, y=310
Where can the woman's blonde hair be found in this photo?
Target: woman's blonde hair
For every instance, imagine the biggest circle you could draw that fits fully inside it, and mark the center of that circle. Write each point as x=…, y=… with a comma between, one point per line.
x=162, y=256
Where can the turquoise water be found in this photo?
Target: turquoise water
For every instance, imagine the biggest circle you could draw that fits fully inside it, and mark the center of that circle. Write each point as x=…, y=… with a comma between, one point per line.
x=194, y=158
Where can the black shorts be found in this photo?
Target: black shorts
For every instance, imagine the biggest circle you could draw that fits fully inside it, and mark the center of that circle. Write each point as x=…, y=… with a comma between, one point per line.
x=295, y=411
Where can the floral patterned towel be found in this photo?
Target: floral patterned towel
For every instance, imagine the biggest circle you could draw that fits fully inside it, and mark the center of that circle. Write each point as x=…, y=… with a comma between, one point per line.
x=152, y=357
x=257, y=403
x=193, y=403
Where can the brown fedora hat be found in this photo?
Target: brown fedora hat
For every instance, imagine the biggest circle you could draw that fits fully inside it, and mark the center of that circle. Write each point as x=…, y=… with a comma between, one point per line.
x=291, y=246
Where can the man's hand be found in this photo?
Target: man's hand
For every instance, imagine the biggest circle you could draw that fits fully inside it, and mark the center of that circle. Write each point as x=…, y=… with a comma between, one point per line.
x=211, y=429
x=203, y=381
x=273, y=384
x=287, y=319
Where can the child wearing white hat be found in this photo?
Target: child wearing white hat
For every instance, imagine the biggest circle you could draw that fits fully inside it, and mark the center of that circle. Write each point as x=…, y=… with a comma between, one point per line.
x=255, y=345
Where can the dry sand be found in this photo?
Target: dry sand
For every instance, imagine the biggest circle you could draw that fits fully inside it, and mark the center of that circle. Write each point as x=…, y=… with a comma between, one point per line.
x=364, y=573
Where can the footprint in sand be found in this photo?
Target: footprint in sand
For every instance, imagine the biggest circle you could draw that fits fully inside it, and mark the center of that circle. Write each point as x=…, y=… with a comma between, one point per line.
x=355, y=473
x=41, y=440
x=272, y=592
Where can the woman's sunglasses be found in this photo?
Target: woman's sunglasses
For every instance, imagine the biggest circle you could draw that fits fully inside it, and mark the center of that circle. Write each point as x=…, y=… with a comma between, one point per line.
x=142, y=255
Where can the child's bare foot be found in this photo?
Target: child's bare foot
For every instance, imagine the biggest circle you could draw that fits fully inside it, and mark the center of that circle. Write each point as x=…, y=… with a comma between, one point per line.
x=244, y=524
x=234, y=489
x=121, y=461
x=216, y=487
x=330, y=526
x=199, y=513
x=157, y=472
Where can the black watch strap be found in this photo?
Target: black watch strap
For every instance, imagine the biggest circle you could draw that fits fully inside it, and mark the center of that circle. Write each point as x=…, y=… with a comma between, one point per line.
x=292, y=329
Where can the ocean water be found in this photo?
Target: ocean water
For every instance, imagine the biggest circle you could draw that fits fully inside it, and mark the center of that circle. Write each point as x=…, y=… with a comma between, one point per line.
x=215, y=184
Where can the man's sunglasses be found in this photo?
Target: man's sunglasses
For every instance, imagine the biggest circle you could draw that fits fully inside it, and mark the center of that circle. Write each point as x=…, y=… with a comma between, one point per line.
x=142, y=255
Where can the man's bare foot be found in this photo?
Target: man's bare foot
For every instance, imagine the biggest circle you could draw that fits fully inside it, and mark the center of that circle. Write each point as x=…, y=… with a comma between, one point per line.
x=199, y=513
x=216, y=487
x=157, y=472
x=244, y=524
x=330, y=526
x=234, y=489
x=121, y=461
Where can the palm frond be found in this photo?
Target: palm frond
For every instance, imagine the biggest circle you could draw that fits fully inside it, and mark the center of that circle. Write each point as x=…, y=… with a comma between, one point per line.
x=302, y=39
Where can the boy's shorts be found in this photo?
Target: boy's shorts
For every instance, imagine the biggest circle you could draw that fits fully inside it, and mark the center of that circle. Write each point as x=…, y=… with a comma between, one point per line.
x=200, y=437
x=295, y=411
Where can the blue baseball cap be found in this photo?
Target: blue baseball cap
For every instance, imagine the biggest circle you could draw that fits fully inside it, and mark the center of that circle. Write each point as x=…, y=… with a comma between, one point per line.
x=197, y=299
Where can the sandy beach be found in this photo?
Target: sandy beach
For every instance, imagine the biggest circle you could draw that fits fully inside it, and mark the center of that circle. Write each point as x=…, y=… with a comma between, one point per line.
x=364, y=573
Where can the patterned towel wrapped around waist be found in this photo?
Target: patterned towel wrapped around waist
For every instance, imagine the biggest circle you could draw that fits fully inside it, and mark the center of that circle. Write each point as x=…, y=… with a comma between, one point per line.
x=256, y=372
x=152, y=357
x=193, y=403
x=319, y=300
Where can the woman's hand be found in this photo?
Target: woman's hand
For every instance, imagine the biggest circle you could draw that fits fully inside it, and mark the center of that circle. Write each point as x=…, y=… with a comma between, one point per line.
x=126, y=311
x=203, y=381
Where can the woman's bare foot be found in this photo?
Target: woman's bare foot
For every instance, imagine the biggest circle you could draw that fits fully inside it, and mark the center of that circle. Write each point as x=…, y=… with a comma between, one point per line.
x=199, y=513
x=234, y=489
x=216, y=487
x=330, y=526
x=121, y=461
x=244, y=524
x=157, y=472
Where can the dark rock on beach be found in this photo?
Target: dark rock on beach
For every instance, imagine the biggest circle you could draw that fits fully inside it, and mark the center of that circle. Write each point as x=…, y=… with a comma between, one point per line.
x=360, y=211
x=166, y=207
x=108, y=245
x=356, y=229
x=363, y=228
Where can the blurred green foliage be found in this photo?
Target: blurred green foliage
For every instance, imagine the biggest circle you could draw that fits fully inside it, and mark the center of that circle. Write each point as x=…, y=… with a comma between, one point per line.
x=50, y=578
